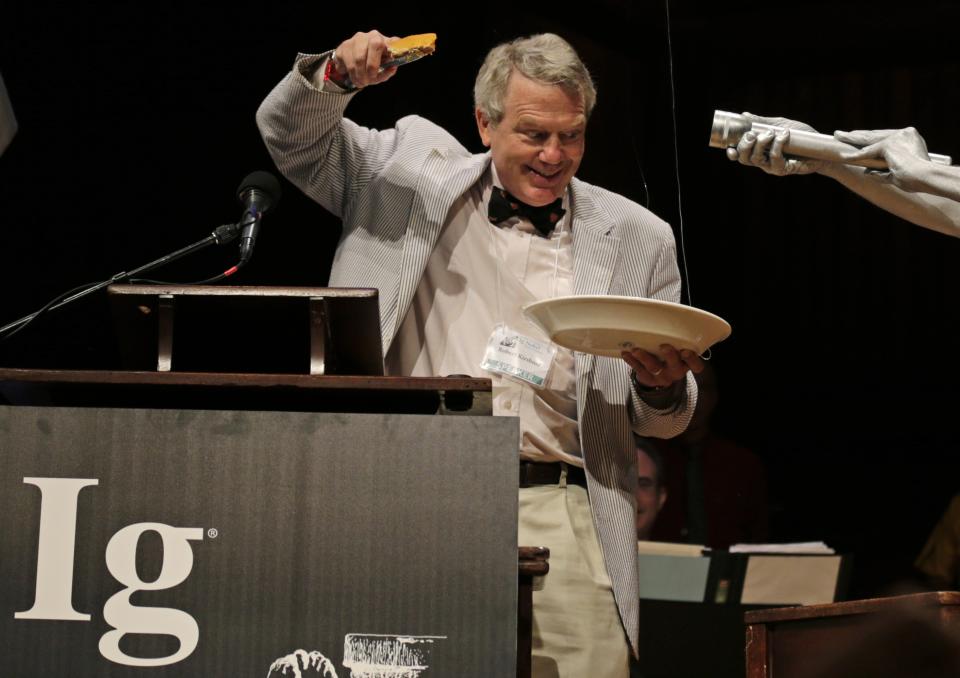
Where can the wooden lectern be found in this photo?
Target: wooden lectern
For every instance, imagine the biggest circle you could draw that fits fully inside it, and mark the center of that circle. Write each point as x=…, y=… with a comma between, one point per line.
x=323, y=511
x=910, y=635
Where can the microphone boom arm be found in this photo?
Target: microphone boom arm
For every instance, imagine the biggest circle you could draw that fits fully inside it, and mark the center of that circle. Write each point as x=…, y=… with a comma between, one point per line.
x=221, y=235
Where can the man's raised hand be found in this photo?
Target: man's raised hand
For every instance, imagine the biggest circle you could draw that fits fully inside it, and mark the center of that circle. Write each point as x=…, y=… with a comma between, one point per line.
x=361, y=56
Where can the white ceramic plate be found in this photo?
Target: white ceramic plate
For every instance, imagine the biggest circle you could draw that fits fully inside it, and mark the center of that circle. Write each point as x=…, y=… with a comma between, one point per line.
x=606, y=326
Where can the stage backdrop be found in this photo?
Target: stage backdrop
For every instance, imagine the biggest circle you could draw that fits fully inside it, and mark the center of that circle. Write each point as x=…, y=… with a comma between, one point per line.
x=212, y=543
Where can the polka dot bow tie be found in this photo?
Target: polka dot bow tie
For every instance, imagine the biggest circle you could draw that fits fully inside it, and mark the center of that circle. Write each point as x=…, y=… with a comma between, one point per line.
x=503, y=206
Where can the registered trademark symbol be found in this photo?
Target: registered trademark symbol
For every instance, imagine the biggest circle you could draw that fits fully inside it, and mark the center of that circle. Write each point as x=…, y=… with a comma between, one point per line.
x=213, y=533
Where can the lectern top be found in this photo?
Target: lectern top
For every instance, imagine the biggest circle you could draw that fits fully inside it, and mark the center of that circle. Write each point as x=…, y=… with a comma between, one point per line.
x=244, y=291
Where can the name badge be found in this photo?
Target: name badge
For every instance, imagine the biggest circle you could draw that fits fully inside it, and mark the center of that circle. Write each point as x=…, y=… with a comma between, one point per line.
x=518, y=356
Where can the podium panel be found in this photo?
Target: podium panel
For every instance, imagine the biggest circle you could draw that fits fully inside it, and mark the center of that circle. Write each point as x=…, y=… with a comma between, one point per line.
x=216, y=543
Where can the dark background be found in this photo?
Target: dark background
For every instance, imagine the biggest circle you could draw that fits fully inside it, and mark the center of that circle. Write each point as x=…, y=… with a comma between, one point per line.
x=137, y=124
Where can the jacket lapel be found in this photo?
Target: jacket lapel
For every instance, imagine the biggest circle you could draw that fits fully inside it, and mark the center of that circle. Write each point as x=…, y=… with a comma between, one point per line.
x=595, y=251
x=595, y=246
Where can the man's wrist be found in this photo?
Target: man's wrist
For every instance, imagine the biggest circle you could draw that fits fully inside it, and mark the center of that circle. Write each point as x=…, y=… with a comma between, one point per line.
x=332, y=74
x=661, y=397
x=315, y=69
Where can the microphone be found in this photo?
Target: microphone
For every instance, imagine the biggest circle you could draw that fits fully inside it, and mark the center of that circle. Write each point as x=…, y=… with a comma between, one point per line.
x=258, y=192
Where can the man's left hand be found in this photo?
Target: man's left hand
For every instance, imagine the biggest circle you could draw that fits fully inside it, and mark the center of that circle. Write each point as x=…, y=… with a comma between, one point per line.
x=663, y=370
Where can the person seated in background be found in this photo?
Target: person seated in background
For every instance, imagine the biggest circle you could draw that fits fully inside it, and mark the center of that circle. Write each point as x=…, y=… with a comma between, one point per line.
x=651, y=492
x=939, y=561
x=914, y=188
x=717, y=488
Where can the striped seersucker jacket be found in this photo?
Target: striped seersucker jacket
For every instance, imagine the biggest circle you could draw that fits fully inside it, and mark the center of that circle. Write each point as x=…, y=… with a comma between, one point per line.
x=393, y=189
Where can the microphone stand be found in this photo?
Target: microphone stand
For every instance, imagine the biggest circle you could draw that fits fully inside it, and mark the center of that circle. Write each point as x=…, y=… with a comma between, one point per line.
x=220, y=236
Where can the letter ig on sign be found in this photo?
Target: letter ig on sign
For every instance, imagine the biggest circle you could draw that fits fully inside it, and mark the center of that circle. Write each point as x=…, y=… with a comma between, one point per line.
x=55, y=558
x=58, y=534
x=126, y=618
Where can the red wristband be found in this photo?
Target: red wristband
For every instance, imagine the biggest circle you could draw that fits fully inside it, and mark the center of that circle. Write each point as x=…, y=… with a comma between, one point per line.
x=333, y=75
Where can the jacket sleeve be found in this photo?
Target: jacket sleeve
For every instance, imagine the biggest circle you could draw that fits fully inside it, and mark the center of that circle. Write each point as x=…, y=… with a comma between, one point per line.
x=667, y=419
x=330, y=158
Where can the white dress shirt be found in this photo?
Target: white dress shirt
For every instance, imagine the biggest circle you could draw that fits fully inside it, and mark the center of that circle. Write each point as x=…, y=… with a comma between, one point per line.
x=480, y=275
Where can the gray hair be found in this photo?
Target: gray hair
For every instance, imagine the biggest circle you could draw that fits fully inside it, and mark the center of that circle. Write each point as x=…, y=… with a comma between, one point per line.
x=544, y=58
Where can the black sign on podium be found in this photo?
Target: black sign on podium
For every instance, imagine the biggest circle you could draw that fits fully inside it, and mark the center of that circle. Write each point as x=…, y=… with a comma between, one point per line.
x=191, y=522
x=218, y=543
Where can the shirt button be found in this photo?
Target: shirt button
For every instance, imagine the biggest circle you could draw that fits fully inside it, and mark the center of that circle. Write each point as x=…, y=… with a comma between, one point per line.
x=508, y=405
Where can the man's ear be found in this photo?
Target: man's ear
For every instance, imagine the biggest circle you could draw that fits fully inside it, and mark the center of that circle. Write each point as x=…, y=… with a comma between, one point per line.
x=483, y=126
x=661, y=497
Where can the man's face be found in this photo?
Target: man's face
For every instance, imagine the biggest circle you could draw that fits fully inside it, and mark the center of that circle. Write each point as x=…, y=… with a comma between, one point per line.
x=538, y=145
x=650, y=495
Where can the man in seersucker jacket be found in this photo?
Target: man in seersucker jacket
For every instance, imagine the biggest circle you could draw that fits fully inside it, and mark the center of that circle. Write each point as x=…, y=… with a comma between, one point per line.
x=457, y=243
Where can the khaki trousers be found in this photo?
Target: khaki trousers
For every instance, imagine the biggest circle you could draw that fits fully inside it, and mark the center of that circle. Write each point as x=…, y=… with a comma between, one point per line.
x=576, y=627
